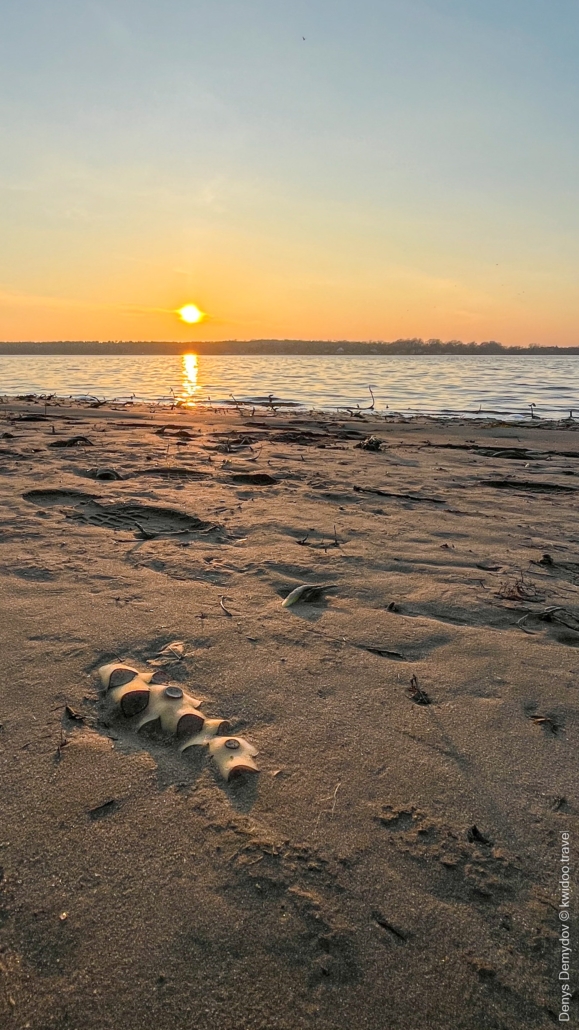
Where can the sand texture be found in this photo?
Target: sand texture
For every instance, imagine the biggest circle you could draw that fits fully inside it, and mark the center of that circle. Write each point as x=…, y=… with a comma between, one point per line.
x=395, y=861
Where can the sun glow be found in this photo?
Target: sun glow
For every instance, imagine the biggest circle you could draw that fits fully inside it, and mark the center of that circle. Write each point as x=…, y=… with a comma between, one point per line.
x=190, y=374
x=191, y=314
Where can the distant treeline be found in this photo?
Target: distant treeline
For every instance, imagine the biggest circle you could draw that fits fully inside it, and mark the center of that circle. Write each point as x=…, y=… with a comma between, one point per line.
x=277, y=347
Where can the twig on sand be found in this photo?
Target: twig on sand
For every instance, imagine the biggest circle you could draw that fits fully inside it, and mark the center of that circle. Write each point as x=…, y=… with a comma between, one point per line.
x=519, y=589
x=145, y=534
x=62, y=744
x=172, y=653
x=547, y=722
x=549, y=615
x=357, y=411
x=370, y=443
x=399, y=497
x=222, y=606
x=329, y=811
x=416, y=694
x=235, y=402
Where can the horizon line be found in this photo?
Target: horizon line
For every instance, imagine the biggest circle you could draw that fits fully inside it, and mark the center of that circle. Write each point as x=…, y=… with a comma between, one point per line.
x=429, y=343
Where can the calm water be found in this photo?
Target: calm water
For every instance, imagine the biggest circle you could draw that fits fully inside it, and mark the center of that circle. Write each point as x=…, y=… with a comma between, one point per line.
x=442, y=384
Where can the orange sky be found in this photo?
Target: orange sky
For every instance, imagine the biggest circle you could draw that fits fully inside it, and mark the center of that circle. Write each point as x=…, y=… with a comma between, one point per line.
x=268, y=298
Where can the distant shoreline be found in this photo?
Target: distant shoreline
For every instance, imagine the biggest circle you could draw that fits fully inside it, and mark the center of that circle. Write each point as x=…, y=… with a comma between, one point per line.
x=430, y=348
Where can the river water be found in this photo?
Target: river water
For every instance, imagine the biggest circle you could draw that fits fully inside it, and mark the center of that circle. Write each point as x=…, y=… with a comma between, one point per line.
x=442, y=384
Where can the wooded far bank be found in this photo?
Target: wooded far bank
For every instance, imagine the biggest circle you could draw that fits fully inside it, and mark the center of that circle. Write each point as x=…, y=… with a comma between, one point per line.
x=231, y=347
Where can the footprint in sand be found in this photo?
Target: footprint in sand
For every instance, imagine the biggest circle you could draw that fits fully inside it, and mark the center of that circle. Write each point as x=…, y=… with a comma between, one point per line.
x=458, y=863
x=149, y=520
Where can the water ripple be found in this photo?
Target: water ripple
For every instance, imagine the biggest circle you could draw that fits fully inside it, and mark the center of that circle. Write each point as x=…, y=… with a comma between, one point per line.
x=401, y=383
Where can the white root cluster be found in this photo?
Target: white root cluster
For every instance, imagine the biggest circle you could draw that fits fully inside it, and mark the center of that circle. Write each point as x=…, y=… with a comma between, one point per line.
x=178, y=712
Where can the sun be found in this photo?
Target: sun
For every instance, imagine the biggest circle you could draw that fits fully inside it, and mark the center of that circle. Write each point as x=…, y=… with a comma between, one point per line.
x=191, y=314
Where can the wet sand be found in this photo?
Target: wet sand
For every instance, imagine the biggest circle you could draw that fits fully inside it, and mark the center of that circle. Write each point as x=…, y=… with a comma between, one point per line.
x=395, y=861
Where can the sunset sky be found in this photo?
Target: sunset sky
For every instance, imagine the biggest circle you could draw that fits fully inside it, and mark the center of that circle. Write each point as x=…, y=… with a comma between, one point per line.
x=409, y=169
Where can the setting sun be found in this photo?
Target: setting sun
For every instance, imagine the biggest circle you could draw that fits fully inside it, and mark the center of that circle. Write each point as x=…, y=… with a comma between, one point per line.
x=191, y=313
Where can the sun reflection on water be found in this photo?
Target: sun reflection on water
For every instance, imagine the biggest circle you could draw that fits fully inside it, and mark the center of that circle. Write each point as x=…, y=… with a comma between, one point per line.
x=190, y=386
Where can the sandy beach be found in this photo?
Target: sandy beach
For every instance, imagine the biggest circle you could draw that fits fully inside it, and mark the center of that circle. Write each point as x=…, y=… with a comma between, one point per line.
x=395, y=862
